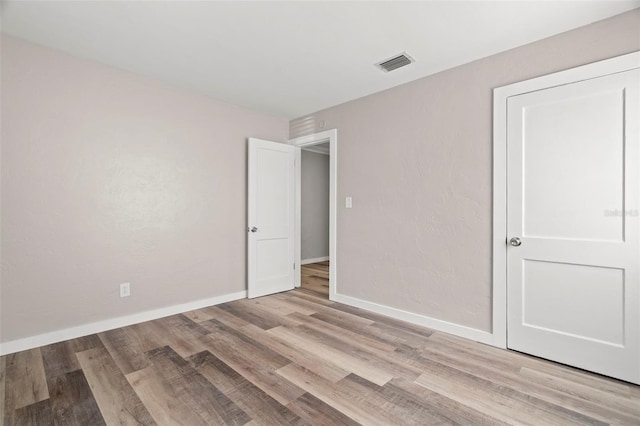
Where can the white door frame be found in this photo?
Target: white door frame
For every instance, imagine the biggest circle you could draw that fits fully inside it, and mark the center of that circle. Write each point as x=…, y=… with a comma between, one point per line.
x=500, y=95
x=330, y=136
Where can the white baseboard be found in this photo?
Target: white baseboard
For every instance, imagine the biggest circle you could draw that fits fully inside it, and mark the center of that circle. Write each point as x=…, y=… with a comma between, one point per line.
x=314, y=260
x=422, y=320
x=110, y=324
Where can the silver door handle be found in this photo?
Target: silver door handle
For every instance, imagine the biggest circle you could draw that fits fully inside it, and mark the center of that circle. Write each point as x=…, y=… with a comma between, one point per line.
x=515, y=241
x=254, y=229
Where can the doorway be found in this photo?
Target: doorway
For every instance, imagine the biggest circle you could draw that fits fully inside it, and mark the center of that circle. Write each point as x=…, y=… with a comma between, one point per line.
x=327, y=140
x=314, y=241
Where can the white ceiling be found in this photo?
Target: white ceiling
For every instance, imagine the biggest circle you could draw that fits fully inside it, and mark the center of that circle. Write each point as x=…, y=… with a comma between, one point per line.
x=292, y=58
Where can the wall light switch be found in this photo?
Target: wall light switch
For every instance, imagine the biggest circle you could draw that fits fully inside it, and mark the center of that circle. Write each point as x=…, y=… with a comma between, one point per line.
x=348, y=202
x=125, y=290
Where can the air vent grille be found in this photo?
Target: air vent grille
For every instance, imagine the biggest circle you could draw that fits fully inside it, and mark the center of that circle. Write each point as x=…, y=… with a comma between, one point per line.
x=396, y=62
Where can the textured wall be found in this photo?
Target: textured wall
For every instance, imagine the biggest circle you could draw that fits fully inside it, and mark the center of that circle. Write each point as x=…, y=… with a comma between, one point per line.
x=315, y=205
x=108, y=177
x=417, y=161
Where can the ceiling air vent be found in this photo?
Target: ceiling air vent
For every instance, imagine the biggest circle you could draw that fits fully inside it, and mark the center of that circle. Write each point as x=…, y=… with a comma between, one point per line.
x=396, y=62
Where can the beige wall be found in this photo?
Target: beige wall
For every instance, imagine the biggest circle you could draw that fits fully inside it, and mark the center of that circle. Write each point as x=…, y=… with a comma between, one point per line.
x=107, y=178
x=417, y=161
x=314, y=200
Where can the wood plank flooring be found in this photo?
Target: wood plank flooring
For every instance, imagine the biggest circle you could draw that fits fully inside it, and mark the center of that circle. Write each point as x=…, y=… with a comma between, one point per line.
x=315, y=278
x=296, y=358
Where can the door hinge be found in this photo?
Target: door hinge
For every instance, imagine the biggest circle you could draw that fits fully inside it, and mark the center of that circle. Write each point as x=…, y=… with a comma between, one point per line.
x=294, y=266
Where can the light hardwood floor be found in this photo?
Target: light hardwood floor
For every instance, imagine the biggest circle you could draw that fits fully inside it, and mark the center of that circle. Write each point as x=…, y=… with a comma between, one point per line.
x=315, y=278
x=297, y=358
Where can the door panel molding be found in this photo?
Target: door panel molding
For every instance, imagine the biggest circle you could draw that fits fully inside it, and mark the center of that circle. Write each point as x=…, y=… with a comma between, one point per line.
x=500, y=97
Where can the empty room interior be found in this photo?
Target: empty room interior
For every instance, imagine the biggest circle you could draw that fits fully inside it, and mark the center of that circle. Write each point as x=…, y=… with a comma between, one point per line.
x=320, y=213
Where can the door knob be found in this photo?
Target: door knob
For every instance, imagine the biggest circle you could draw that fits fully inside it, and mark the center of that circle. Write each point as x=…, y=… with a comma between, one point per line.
x=515, y=241
x=254, y=229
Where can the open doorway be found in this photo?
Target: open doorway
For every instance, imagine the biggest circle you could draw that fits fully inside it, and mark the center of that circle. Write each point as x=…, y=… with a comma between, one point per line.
x=317, y=268
x=314, y=220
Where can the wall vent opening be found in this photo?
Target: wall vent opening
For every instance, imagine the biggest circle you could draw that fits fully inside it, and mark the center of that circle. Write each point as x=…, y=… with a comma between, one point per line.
x=395, y=62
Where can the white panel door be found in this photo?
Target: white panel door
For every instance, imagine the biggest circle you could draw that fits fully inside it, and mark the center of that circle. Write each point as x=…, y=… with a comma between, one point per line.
x=271, y=217
x=573, y=189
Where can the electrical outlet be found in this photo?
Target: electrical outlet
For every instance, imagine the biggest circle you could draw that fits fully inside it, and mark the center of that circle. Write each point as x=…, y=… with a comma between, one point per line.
x=125, y=290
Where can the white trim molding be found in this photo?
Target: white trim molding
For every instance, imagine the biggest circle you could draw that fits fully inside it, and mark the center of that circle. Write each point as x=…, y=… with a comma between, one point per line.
x=418, y=319
x=113, y=323
x=500, y=96
x=314, y=260
x=330, y=136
